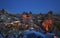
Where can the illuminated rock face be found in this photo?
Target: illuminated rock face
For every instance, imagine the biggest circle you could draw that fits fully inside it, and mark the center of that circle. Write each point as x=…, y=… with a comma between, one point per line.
x=46, y=24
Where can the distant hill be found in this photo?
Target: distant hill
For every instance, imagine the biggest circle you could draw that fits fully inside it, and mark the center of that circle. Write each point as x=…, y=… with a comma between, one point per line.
x=4, y=12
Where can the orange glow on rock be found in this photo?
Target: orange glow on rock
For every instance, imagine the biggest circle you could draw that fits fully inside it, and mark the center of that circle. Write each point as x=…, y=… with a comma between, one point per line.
x=46, y=24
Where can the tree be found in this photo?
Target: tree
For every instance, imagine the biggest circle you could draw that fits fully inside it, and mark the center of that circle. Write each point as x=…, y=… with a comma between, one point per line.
x=50, y=12
x=2, y=10
x=30, y=12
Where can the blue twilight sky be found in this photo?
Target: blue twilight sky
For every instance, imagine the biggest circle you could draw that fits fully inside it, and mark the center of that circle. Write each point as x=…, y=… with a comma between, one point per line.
x=36, y=6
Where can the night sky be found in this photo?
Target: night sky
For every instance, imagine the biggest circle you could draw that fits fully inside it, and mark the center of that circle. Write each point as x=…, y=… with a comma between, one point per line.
x=36, y=6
